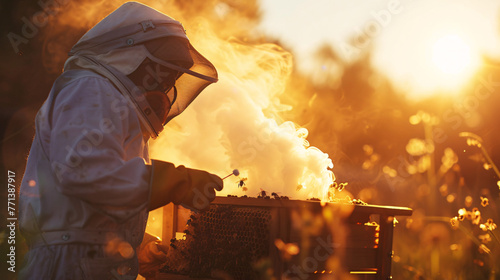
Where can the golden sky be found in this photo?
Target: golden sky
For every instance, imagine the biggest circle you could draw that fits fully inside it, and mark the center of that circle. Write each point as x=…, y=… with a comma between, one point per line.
x=423, y=45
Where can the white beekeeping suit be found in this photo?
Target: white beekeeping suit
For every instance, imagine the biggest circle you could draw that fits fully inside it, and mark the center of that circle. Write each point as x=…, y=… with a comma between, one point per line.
x=89, y=182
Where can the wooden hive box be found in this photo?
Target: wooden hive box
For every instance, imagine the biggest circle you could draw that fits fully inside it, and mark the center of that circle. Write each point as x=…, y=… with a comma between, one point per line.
x=236, y=233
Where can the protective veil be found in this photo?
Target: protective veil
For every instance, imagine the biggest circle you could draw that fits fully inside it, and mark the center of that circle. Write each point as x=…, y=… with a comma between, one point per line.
x=115, y=48
x=89, y=182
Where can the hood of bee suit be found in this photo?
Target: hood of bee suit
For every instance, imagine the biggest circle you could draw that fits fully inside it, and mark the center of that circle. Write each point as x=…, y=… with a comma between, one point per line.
x=117, y=45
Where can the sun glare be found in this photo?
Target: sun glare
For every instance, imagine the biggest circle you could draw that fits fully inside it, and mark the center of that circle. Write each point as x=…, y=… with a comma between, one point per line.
x=451, y=55
x=437, y=56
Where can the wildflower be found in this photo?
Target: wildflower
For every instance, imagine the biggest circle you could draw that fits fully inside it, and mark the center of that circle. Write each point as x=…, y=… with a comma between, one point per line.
x=461, y=214
x=485, y=238
x=489, y=225
x=484, y=201
x=473, y=142
x=454, y=222
x=475, y=216
x=472, y=139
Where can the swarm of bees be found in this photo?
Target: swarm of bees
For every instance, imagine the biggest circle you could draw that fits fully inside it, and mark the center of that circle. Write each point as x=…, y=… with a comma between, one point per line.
x=275, y=195
x=262, y=194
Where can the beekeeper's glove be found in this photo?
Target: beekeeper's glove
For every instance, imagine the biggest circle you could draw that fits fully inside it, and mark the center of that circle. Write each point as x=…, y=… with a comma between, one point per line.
x=151, y=255
x=191, y=188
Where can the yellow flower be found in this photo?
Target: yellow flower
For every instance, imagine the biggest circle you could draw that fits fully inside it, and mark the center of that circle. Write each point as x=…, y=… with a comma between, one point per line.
x=461, y=214
x=454, y=222
x=489, y=225
x=484, y=201
x=485, y=238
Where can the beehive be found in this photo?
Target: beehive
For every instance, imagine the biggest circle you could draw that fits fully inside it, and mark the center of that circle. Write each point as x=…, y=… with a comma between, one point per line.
x=236, y=237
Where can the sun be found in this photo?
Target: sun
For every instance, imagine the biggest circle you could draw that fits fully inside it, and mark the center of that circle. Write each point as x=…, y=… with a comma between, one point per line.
x=451, y=55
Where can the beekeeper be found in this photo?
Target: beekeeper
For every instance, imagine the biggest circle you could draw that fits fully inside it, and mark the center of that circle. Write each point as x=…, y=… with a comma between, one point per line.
x=89, y=182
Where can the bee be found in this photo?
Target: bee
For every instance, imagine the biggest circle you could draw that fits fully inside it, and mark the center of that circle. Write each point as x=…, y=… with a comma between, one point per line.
x=275, y=195
x=262, y=194
x=190, y=222
x=241, y=182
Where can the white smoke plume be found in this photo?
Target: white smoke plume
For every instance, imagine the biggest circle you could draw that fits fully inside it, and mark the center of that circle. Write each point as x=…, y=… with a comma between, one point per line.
x=234, y=124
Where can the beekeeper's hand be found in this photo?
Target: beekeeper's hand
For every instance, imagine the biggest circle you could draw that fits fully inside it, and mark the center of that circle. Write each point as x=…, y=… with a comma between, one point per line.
x=151, y=255
x=192, y=188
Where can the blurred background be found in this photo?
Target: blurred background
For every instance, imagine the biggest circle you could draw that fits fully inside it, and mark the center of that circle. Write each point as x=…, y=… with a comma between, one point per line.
x=403, y=97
